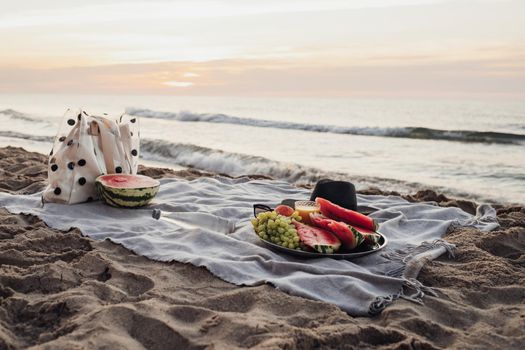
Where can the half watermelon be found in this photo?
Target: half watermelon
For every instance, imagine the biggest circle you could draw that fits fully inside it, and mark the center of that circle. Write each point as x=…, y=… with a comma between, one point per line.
x=127, y=191
x=353, y=218
x=317, y=239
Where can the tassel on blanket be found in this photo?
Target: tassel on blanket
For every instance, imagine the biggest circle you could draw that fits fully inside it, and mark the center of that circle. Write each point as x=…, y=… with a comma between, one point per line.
x=414, y=258
x=419, y=291
x=484, y=220
x=409, y=264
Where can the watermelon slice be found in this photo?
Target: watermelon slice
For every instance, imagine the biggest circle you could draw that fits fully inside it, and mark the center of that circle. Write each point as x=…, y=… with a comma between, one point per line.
x=349, y=234
x=318, y=239
x=320, y=221
x=370, y=238
x=350, y=239
x=353, y=218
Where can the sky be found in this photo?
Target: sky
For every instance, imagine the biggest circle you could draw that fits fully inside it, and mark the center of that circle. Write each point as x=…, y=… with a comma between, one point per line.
x=318, y=48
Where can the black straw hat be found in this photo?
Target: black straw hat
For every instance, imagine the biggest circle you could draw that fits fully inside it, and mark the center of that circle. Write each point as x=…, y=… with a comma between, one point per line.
x=341, y=193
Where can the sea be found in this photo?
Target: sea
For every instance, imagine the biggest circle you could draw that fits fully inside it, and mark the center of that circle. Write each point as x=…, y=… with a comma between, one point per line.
x=472, y=149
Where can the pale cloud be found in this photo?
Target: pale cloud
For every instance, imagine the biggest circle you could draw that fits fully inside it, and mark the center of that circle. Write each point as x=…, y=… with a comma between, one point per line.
x=421, y=78
x=178, y=83
x=269, y=48
x=158, y=10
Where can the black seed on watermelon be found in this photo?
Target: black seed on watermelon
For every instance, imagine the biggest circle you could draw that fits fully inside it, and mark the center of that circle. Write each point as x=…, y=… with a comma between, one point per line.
x=84, y=112
x=70, y=142
x=57, y=191
x=51, y=153
x=82, y=162
x=54, y=167
x=133, y=120
x=118, y=170
x=131, y=133
x=134, y=152
x=71, y=122
x=70, y=165
x=62, y=139
x=82, y=181
x=79, y=116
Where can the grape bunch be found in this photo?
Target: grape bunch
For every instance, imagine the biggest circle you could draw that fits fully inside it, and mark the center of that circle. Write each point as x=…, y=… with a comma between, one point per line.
x=277, y=228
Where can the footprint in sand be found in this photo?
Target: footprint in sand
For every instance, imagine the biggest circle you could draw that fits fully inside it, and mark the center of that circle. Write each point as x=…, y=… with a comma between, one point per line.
x=509, y=244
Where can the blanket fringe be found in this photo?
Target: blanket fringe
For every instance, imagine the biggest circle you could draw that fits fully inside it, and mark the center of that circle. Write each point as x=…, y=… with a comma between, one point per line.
x=404, y=257
x=418, y=289
x=410, y=263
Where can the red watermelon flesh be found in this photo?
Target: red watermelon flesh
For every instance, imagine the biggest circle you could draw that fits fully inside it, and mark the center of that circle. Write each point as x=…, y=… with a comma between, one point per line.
x=367, y=237
x=353, y=218
x=127, y=181
x=320, y=221
x=349, y=238
x=318, y=239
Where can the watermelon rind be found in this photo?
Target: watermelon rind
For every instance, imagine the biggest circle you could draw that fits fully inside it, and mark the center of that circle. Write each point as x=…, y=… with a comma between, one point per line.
x=368, y=237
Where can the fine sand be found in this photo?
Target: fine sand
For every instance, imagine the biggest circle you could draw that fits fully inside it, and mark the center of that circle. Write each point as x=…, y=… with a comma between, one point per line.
x=64, y=291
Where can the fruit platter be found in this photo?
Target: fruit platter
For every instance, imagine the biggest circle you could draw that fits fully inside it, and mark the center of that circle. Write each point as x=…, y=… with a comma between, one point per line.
x=314, y=229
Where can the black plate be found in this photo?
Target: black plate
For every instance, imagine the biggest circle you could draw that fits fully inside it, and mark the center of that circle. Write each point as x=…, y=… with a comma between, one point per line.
x=353, y=254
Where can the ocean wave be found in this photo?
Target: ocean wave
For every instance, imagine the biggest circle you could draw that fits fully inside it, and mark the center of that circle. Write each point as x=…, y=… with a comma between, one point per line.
x=19, y=135
x=230, y=163
x=397, y=132
x=11, y=113
x=237, y=164
x=214, y=160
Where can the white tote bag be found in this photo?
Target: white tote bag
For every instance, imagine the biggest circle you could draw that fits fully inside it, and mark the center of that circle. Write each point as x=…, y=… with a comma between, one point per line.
x=86, y=147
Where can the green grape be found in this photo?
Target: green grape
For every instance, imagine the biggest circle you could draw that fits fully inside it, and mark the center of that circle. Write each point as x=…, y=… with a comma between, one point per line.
x=277, y=229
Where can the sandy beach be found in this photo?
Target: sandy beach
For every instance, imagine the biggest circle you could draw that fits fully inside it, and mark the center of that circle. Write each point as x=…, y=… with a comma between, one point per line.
x=65, y=291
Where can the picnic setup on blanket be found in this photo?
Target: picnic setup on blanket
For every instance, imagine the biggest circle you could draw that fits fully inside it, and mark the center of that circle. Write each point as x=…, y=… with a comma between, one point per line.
x=359, y=252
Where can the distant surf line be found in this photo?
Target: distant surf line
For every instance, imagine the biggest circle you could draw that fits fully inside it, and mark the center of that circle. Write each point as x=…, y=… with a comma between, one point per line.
x=396, y=132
